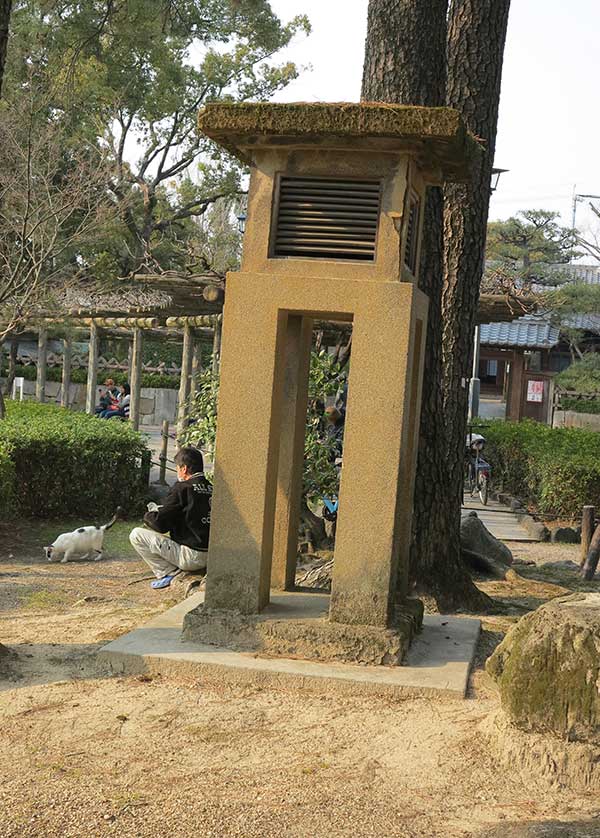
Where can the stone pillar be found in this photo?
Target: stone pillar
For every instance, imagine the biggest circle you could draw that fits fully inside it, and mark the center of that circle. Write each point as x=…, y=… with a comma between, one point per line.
x=90, y=395
x=66, y=372
x=216, y=354
x=377, y=481
x=184, y=383
x=245, y=478
x=135, y=378
x=42, y=349
x=291, y=451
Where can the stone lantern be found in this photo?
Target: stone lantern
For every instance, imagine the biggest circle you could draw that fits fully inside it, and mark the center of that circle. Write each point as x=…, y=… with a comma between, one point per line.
x=333, y=232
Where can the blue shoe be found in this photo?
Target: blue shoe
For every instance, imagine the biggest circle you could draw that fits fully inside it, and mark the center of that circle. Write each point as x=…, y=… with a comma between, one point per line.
x=161, y=583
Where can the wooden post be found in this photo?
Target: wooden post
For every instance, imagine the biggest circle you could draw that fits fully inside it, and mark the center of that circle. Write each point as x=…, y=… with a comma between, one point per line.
x=184, y=385
x=164, y=447
x=135, y=378
x=216, y=354
x=591, y=562
x=587, y=528
x=66, y=372
x=42, y=351
x=196, y=368
x=90, y=397
x=12, y=364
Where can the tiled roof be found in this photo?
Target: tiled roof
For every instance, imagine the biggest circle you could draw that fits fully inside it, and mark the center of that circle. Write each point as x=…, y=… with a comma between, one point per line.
x=529, y=332
x=585, y=322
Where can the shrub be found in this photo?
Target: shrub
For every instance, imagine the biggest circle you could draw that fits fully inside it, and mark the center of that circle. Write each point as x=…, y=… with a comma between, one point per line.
x=7, y=482
x=557, y=469
x=79, y=376
x=68, y=463
x=582, y=376
x=579, y=405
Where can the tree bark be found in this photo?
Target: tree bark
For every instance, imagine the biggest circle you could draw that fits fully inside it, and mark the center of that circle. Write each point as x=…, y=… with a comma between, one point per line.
x=5, y=10
x=405, y=62
x=476, y=38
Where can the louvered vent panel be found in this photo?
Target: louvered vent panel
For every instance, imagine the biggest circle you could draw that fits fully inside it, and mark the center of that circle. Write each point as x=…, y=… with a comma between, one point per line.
x=321, y=218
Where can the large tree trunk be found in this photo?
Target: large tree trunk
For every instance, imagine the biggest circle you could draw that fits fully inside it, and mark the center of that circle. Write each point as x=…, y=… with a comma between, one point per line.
x=5, y=10
x=406, y=62
x=476, y=38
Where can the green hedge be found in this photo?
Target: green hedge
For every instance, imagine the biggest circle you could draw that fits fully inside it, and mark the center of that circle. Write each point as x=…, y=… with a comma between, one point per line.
x=579, y=405
x=7, y=482
x=69, y=464
x=558, y=469
x=79, y=376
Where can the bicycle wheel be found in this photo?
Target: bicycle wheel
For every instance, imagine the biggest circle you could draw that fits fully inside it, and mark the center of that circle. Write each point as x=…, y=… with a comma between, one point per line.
x=483, y=488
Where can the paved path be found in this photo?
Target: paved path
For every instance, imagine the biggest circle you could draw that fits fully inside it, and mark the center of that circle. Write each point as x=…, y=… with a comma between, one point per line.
x=498, y=518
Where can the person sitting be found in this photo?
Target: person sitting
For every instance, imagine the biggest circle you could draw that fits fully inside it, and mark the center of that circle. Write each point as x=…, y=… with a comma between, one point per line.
x=185, y=515
x=108, y=397
x=121, y=409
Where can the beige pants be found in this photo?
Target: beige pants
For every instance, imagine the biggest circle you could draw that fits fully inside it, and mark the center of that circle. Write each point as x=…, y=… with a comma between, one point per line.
x=163, y=556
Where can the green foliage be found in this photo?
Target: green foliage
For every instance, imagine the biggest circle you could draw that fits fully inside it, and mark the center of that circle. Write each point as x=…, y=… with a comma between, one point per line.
x=130, y=78
x=7, y=483
x=579, y=405
x=557, y=469
x=320, y=475
x=66, y=461
x=79, y=376
x=582, y=376
x=203, y=412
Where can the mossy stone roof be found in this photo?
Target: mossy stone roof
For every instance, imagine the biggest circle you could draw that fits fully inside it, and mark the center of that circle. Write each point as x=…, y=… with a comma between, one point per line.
x=437, y=135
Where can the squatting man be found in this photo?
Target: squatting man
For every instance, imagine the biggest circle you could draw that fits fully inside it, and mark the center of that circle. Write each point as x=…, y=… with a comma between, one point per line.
x=185, y=515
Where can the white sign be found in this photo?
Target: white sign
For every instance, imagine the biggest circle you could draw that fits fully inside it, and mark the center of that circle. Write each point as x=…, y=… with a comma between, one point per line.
x=535, y=391
x=18, y=384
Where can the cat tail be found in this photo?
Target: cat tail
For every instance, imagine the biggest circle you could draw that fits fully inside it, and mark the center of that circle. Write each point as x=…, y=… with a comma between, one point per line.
x=114, y=519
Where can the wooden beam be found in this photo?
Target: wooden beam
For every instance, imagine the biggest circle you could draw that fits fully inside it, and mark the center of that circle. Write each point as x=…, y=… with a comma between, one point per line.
x=131, y=322
x=184, y=385
x=205, y=320
x=66, y=372
x=90, y=396
x=135, y=379
x=42, y=352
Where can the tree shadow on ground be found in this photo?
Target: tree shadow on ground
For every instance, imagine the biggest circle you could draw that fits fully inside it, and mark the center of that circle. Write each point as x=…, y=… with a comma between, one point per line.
x=543, y=829
x=34, y=664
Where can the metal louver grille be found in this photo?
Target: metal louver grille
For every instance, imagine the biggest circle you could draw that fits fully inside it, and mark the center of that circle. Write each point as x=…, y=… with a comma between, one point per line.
x=326, y=218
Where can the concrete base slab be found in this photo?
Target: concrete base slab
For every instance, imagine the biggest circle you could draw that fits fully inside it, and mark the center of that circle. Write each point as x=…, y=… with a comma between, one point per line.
x=297, y=625
x=437, y=664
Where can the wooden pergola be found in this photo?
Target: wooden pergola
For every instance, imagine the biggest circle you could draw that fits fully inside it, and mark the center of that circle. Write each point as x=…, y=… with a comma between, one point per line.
x=193, y=315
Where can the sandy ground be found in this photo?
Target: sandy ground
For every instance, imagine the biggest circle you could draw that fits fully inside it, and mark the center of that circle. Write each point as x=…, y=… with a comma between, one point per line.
x=83, y=754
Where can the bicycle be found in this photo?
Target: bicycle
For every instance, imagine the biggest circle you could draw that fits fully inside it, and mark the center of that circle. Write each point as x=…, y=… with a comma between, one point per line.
x=478, y=470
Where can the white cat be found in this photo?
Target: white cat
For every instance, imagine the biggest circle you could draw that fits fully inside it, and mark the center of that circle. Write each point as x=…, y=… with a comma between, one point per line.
x=85, y=540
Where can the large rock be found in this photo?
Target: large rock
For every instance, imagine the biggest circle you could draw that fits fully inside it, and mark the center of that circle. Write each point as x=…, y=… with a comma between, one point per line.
x=476, y=538
x=548, y=670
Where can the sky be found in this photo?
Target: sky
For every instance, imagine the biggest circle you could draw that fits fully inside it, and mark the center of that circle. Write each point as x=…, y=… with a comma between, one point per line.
x=549, y=127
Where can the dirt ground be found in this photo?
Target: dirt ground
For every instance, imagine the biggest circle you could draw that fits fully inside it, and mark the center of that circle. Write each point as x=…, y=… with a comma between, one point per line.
x=83, y=754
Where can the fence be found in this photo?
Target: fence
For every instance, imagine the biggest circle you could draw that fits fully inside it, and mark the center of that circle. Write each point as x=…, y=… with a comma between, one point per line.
x=26, y=359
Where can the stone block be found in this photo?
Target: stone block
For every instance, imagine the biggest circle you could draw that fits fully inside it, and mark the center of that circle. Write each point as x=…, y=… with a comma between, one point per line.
x=564, y=535
x=318, y=639
x=547, y=669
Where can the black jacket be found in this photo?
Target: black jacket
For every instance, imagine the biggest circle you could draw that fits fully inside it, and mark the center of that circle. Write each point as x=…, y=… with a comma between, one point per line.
x=185, y=513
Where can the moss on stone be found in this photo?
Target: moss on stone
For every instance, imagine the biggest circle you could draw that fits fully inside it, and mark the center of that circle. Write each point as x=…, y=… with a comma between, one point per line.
x=548, y=669
x=440, y=131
